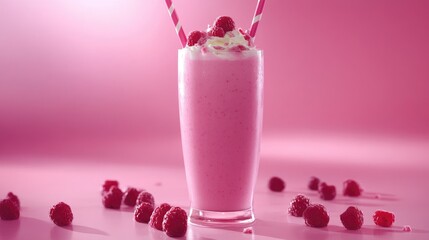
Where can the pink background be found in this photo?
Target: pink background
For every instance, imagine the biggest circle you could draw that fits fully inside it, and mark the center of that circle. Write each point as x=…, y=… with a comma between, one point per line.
x=88, y=91
x=107, y=69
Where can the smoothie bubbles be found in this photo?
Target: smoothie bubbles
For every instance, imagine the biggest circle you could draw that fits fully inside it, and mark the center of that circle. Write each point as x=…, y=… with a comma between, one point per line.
x=220, y=77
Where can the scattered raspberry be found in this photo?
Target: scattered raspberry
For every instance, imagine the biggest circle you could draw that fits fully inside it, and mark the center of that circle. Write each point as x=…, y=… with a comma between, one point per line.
x=314, y=183
x=383, y=218
x=352, y=218
x=194, y=37
x=316, y=216
x=8, y=209
x=145, y=197
x=61, y=214
x=14, y=199
x=175, y=222
x=113, y=198
x=216, y=32
x=298, y=205
x=276, y=184
x=130, y=196
x=158, y=215
x=248, y=230
x=226, y=23
x=407, y=228
x=108, y=184
x=351, y=188
x=327, y=192
x=143, y=212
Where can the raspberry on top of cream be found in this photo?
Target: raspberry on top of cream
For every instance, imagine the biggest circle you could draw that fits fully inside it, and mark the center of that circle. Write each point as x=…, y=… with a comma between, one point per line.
x=221, y=37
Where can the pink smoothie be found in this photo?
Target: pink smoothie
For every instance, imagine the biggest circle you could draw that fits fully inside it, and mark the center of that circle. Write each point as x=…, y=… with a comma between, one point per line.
x=220, y=99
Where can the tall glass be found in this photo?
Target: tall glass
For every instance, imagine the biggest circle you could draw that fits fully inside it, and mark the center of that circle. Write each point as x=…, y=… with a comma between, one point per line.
x=221, y=104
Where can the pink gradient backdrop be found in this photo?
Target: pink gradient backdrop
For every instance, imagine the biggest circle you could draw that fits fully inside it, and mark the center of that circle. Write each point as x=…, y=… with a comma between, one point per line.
x=91, y=69
x=88, y=91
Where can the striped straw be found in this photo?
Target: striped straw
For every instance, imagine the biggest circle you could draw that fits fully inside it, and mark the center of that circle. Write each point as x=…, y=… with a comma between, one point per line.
x=176, y=22
x=257, y=18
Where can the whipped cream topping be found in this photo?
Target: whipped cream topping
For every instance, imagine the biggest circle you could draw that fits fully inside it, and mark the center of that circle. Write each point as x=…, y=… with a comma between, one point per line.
x=233, y=41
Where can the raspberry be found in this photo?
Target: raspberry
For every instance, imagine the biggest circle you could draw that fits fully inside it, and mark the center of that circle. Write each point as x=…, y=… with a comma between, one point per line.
x=113, y=198
x=352, y=218
x=158, y=215
x=143, y=212
x=108, y=184
x=383, y=218
x=130, y=196
x=351, y=188
x=175, y=222
x=14, y=199
x=407, y=228
x=226, y=23
x=203, y=39
x=316, y=216
x=314, y=183
x=216, y=32
x=61, y=214
x=298, y=205
x=145, y=197
x=327, y=192
x=8, y=209
x=276, y=184
x=194, y=37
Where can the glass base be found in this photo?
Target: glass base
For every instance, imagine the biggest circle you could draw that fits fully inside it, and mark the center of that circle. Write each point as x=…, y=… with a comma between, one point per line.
x=220, y=219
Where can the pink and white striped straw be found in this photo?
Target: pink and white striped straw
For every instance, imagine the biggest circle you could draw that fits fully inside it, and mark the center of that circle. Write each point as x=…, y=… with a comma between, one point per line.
x=256, y=18
x=176, y=22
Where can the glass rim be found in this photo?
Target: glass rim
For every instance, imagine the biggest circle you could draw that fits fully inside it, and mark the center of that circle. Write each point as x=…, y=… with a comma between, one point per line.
x=251, y=50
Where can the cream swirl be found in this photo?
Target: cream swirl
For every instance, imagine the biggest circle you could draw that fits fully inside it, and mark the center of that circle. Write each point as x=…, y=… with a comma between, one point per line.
x=233, y=41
